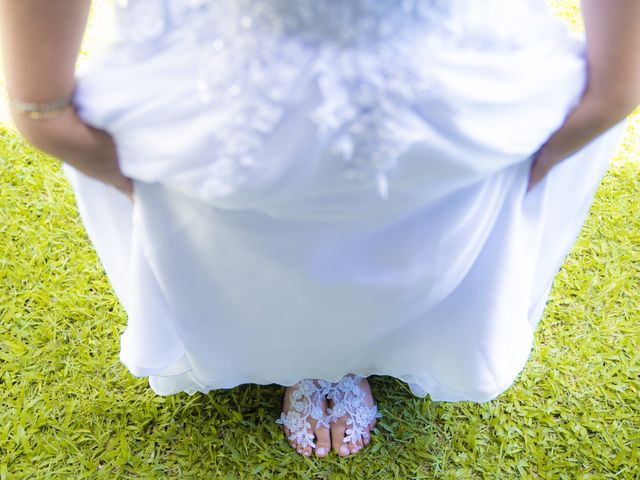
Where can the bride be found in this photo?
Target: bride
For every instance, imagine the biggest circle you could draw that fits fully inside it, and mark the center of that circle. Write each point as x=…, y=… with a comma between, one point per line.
x=206, y=153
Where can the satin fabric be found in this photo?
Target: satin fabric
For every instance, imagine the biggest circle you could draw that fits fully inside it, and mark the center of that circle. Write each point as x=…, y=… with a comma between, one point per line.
x=300, y=273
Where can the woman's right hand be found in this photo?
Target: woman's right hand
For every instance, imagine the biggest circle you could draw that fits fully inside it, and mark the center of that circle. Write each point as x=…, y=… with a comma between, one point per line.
x=108, y=153
x=90, y=150
x=40, y=75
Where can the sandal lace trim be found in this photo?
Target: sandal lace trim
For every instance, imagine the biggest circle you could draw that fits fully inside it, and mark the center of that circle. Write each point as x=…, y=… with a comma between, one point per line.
x=306, y=402
x=349, y=399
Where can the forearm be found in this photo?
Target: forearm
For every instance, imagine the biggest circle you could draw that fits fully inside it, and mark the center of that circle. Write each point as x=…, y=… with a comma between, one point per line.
x=613, y=82
x=613, y=55
x=41, y=40
x=592, y=117
x=89, y=150
x=613, y=88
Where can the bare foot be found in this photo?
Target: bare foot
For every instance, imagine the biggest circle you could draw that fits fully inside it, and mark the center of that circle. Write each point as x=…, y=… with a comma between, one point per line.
x=304, y=417
x=352, y=414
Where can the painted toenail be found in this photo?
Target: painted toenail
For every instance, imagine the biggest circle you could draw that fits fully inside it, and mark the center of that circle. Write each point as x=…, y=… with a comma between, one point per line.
x=321, y=451
x=344, y=449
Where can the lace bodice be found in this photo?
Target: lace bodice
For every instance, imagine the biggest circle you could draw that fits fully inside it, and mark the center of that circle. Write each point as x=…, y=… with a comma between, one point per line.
x=350, y=22
x=361, y=53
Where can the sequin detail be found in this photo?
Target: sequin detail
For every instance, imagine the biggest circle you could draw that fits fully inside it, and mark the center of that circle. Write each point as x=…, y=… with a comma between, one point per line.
x=360, y=53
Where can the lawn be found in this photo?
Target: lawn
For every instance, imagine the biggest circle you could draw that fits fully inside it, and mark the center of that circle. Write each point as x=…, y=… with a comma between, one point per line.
x=69, y=409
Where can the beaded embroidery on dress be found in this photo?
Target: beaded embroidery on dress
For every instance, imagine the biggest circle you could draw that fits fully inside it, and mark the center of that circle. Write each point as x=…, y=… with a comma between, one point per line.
x=255, y=52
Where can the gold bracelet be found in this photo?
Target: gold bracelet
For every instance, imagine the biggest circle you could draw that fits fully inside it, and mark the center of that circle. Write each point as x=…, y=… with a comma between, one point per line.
x=42, y=111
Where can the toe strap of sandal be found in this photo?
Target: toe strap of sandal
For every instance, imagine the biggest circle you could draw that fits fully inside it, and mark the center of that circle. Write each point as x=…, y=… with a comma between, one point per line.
x=349, y=399
x=306, y=401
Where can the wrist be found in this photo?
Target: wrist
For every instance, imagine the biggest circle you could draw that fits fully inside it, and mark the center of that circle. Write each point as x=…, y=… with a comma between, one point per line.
x=41, y=110
x=67, y=138
x=610, y=104
x=48, y=134
x=589, y=119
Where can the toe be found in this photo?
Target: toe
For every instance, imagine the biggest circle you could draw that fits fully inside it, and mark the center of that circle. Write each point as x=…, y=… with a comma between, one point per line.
x=366, y=437
x=286, y=435
x=323, y=442
x=306, y=451
x=343, y=451
x=337, y=439
x=353, y=447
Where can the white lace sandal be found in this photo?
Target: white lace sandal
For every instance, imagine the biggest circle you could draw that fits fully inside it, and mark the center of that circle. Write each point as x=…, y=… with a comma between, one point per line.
x=306, y=401
x=349, y=399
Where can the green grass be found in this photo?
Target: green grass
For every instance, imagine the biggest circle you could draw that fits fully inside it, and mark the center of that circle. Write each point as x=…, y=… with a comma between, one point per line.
x=69, y=409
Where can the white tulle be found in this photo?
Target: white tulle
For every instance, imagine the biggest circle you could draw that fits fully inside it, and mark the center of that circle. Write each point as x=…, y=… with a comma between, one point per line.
x=324, y=188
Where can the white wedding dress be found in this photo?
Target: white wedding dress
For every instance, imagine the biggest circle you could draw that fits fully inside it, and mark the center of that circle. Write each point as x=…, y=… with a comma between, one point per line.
x=337, y=186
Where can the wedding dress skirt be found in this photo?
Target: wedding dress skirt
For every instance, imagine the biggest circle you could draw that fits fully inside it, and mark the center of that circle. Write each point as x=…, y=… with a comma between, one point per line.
x=335, y=187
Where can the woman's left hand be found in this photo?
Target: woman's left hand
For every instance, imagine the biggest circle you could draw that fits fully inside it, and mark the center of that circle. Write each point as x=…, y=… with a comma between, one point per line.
x=594, y=115
x=613, y=84
x=543, y=162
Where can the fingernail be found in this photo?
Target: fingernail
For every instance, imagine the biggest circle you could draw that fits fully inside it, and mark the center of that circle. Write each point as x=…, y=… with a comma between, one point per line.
x=344, y=449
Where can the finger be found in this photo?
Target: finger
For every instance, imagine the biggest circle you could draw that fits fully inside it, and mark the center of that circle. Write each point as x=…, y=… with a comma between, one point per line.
x=130, y=189
x=126, y=190
x=539, y=169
